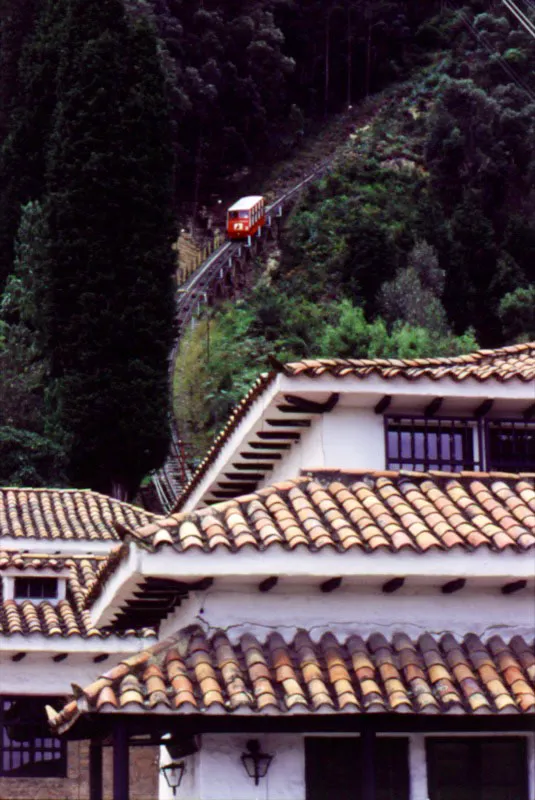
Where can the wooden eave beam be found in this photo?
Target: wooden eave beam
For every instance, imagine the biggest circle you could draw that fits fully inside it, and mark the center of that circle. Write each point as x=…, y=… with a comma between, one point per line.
x=268, y=436
x=289, y=423
x=331, y=585
x=263, y=466
x=453, y=586
x=242, y=487
x=383, y=404
x=60, y=657
x=433, y=407
x=297, y=404
x=239, y=476
x=514, y=586
x=483, y=408
x=268, y=584
x=392, y=585
x=266, y=446
x=255, y=456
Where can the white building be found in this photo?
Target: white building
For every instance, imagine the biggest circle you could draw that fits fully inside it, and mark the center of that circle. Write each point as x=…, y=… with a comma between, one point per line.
x=348, y=584
x=368, y=600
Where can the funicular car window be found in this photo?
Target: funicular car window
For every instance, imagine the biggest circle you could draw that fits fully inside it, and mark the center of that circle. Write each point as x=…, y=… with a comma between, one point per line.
x=233, y=214
x=243, y=214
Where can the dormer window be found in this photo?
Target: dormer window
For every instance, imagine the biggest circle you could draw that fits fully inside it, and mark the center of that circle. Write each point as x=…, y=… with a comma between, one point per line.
x=35, y=588
x=511, y=445
x=422, y=444
x=450, y=444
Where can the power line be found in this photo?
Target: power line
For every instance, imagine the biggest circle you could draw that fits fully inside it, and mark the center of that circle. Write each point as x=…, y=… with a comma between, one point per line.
x=501, y=61
x=521, y=17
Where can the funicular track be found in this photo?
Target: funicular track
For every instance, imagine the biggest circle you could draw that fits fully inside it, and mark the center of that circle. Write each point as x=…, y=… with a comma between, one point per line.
x=222, y=276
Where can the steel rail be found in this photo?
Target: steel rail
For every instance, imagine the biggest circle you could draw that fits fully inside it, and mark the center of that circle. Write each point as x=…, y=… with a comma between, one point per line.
x=193, y=294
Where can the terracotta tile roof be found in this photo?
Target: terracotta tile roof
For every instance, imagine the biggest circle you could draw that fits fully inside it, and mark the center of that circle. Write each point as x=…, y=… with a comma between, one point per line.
x=64, y=618
x=504, y=364
x=65, y=514
x=194, y=673
x=507, y=363
x=367, y=511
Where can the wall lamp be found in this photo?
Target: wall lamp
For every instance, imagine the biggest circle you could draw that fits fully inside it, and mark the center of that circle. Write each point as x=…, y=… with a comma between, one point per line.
x=173, y=773
x=255, y=762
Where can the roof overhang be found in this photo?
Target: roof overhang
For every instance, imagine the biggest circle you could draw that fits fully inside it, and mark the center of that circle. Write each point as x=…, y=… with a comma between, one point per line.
x=195, y=569
x=153, y=726
x=262, y=430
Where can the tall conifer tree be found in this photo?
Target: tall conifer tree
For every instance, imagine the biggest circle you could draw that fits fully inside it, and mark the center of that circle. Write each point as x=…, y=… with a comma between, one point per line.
x=107, y=298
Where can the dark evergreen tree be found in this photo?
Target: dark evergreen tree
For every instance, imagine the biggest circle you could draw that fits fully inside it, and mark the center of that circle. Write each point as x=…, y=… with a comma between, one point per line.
x=23, y=150
x=106, y=297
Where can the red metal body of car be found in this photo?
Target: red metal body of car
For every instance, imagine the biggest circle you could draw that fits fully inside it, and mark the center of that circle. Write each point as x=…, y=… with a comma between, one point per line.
x=246, y=217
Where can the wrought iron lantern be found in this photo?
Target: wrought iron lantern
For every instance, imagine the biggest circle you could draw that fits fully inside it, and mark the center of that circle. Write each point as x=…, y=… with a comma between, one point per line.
x=256, y=762
x=173, y=773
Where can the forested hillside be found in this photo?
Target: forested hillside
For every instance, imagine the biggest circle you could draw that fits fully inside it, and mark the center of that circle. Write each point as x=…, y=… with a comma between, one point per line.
x=119, y=118
x=420, y=242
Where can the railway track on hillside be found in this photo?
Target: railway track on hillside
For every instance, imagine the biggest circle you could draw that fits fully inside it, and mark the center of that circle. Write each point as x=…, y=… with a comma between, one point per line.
x=199, y=289
x=195, y=294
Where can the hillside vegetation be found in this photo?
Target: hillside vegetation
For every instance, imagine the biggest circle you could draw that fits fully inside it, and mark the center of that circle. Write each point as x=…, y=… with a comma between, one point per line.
x=119, y=119
x=420, y=241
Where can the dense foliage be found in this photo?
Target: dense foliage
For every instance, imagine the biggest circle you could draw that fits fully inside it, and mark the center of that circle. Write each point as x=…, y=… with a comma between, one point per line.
x=419, y=242
x=89, y=304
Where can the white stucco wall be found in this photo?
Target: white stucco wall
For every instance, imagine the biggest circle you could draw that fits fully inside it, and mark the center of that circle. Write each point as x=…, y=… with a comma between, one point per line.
x=483, y=611
x=345, y=438
x=353, y=439
x=309, y=451
x=216, y=772
x=38, y=674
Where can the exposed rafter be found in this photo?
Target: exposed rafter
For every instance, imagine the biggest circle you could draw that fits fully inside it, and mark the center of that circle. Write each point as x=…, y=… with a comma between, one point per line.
x=383, y=404
x=289, y=423
x=484, y=408
x=514, y=586
x=268, y=436
x=392, y=585
x=453, y=586
x=331, y=585
x=268, y=584
x=434, y=406
x=305, y=406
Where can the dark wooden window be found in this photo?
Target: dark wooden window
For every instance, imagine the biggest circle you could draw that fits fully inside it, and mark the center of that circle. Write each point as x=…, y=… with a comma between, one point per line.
x=27, y=748
x=473, y=768
x=333, y=769
x=510, y=445
x=36, y=588
x=422, y=444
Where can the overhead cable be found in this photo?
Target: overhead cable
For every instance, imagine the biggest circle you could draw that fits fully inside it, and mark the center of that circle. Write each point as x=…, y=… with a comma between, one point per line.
x=521, y=17
x=510, y=72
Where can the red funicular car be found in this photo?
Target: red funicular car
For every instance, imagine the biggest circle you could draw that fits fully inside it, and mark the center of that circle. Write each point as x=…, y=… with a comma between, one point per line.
x=245, y=217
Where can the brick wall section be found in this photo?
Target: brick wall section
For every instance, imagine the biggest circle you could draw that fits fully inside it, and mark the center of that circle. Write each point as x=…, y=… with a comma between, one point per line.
x=143, y=777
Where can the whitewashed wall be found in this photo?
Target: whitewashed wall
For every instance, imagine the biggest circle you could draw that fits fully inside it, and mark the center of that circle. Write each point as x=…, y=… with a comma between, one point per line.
x=216, y=772
x=483, y=611
x=346, y=438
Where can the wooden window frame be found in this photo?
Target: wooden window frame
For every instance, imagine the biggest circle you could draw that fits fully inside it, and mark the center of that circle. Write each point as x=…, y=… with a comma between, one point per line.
x=35, y=748
x=475, y=767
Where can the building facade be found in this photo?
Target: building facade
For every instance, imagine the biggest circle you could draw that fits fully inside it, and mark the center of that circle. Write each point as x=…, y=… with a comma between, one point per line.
x=348, y=584
x=53, y=544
